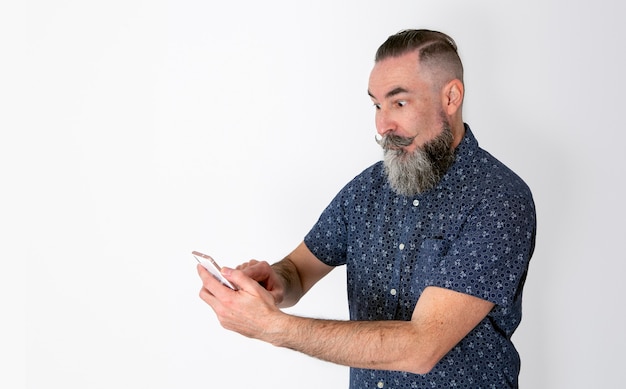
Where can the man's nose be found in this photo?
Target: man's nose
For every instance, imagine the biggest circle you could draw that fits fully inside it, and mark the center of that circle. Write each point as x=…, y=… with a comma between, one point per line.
x=384, y=122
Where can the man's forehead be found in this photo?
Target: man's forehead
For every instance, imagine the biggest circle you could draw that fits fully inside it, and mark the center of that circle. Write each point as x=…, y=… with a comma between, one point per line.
x=394, y=75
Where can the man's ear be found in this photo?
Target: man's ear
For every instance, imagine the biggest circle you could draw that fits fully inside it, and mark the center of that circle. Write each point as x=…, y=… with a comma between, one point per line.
x=452, y=96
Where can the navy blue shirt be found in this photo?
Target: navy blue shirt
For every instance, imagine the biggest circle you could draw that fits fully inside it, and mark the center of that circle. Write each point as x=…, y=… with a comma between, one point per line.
x=473, y=233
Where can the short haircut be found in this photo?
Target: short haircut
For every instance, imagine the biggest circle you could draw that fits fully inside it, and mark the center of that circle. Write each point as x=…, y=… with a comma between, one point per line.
x=437, y=52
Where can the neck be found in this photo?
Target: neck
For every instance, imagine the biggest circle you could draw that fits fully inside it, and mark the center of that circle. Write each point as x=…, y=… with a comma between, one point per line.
x=458, y=131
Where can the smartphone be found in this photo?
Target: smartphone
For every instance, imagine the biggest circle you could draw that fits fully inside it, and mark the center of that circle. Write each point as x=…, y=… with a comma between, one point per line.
x=209, y=263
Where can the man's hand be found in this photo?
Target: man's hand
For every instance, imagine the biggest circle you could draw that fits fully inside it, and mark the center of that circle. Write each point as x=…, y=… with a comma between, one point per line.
x=250, y=311
x=265, y=275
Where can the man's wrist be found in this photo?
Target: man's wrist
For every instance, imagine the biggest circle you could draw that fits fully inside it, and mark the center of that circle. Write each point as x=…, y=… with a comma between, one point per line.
x=281, y=326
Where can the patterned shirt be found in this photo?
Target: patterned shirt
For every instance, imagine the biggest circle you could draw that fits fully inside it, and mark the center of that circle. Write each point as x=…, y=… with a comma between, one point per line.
x=473, y=233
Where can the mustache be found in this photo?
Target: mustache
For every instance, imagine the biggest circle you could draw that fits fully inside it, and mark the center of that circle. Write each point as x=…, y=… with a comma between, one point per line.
x=391, y=141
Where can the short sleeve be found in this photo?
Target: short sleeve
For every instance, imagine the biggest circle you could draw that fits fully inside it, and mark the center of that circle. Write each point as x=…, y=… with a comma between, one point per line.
x=489, y=258
x=327, y=238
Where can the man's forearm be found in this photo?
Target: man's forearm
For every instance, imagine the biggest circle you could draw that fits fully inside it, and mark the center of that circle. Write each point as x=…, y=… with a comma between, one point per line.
x=292, y=286
x=386, y=345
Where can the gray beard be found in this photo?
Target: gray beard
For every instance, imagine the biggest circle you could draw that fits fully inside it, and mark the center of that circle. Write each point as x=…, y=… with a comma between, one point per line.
x=419, y=171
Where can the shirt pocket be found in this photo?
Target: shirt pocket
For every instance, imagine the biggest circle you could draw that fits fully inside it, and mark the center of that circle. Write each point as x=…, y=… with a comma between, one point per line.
x=430, y=257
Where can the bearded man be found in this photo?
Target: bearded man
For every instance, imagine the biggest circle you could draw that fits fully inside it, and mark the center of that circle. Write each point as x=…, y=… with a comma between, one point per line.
x=436, y=239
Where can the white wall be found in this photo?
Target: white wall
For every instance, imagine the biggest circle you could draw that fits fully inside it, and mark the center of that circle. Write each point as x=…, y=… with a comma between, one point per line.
x=133, y=132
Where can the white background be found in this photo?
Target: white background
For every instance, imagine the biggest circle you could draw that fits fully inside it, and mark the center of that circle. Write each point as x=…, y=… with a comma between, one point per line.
x=133, y=132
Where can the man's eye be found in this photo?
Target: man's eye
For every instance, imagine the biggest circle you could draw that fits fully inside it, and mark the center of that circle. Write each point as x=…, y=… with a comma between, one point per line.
x=401, y=103
x=377, y=106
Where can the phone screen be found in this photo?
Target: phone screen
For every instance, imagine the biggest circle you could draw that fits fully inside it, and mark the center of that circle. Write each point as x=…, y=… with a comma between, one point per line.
x=209, y=263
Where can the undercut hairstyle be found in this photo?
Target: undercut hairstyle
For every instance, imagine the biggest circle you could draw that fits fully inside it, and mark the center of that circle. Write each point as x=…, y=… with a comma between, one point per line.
x=437, y=52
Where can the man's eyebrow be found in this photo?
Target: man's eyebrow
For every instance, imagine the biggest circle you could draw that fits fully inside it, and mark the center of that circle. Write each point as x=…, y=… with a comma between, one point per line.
x=391, y=93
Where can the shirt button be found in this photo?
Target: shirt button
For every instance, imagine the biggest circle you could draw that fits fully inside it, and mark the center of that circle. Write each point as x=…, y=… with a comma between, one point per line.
x=401, y=246
x=416, y=202
x=380, y=384
x=393, y=292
